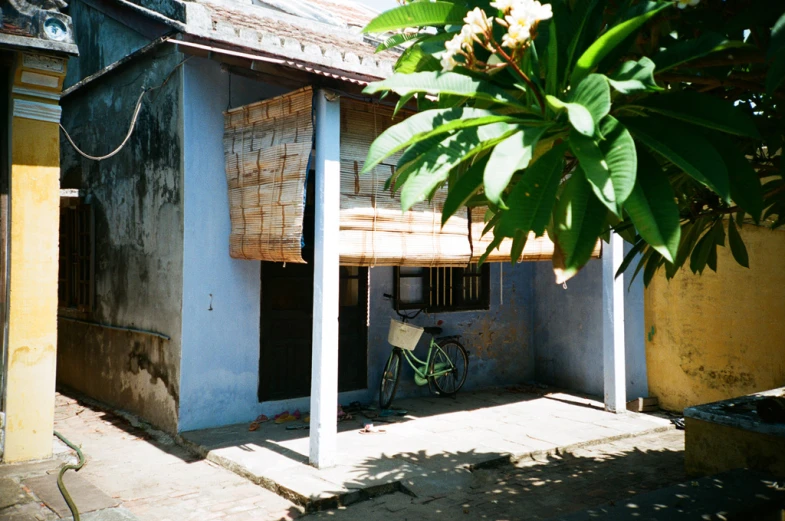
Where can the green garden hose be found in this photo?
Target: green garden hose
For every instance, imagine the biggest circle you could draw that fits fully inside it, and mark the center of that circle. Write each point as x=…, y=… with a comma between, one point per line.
x=60, y=484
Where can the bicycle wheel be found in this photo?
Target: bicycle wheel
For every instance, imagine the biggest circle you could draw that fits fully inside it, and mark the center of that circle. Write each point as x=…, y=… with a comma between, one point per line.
x=390, y=377
x=452, y=354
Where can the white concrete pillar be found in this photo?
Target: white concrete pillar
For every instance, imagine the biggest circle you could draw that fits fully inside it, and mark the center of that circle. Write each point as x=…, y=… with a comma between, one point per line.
x=324, y=371
x=613, y=326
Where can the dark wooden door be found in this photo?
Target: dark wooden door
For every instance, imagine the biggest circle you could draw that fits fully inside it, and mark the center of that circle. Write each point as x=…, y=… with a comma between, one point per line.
x=286, y=329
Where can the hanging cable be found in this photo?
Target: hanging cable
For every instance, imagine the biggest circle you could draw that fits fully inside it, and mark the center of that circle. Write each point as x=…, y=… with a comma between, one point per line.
x=134, y=118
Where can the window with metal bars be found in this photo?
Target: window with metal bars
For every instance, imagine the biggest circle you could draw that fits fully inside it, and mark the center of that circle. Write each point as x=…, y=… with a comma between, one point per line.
x=443, y=289
x=77, y=271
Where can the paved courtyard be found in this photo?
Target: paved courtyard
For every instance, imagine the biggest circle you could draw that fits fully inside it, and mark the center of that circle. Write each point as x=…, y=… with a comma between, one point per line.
x=541, y=487
x=422, y=452
x=136, y=473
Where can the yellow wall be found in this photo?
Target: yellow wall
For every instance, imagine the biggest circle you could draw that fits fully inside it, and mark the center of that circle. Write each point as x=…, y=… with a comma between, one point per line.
x=712, y=448
x=35, y=199
x=719, y=335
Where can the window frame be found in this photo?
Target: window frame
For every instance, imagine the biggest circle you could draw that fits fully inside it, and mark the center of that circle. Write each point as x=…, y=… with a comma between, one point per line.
x=76, y=286
x=430, y=282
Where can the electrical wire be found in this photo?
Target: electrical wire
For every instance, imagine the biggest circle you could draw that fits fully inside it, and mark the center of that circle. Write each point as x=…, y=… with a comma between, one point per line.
x=134, y=119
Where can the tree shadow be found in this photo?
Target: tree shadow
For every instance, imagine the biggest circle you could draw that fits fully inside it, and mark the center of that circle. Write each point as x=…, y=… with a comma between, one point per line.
x=438, y=486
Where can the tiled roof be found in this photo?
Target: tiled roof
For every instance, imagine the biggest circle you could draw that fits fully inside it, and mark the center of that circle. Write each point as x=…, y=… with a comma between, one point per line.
x=244, y=23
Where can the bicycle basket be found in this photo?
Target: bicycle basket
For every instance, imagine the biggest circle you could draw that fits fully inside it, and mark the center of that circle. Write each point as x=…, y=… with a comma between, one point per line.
x=403, y=335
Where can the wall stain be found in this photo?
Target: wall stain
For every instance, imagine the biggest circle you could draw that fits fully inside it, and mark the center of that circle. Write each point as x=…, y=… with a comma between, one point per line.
x=26, y=356
x=150, y=357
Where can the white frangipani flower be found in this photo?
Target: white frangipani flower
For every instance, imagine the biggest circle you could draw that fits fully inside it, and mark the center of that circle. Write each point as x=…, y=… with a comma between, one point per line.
x=462, y=41
x=681, y=4
x=524, y=15
x=476, y=20
x=504, y=5
x=448, y=62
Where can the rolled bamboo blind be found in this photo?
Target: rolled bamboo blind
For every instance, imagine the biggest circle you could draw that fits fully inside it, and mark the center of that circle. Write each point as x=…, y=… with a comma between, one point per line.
x=374, y=230
x=267, y=146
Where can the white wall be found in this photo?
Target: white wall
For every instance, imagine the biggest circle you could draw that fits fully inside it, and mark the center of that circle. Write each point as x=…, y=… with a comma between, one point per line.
x=221, y=295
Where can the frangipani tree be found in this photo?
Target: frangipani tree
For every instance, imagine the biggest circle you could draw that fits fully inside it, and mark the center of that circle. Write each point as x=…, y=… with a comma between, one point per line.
x=659, y=120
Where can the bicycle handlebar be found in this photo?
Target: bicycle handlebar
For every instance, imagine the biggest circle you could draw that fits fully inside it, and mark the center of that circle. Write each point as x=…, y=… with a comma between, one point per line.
x=403, y=316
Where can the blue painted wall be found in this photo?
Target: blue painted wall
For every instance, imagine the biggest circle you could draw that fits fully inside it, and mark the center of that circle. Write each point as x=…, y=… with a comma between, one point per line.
x=499, y=340
x=220, y=353
x=568, y=331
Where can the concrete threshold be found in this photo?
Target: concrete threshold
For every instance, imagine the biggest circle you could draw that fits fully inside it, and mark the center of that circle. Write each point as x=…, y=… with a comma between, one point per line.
x=425, y=452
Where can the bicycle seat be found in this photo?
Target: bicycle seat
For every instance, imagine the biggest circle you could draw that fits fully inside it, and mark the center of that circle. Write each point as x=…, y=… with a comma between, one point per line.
x=433, y=330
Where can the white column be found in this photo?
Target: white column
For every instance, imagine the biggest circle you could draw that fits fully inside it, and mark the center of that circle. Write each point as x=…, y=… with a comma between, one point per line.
x=324, y=371
x=613, y=326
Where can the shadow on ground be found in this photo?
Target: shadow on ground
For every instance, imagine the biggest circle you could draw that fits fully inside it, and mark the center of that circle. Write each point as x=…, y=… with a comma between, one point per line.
x=536, y=488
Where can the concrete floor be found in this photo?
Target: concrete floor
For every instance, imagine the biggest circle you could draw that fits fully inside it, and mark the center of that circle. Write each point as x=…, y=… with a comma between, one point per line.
x=425, y=453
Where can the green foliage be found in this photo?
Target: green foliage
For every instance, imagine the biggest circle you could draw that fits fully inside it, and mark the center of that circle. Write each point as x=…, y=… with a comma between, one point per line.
x=635, y=117
x=417, y=14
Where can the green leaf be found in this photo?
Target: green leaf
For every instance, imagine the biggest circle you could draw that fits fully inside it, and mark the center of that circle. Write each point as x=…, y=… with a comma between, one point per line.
x=652, y=208
x=596, y=169
x=686, y=149
x=431, y=82
x=654, y=262
x=396, y=39
x=466, y=186
x=518, y=244
x=509, y=156
x=402, y=102
x=610, y=165
x=579, y=116
x=689, y=235
x=704, y=110
x=745, y=188
x=776, y=72
x=414, y=59
x=633, y=77
x=777, y=42
x=706, y=248
x=608, y=41
x=634, y=251
x=424, y=125
x=737, y=247
x=433, y=167
x=492, y=246
x=594, y=94
x=687, y=50
x=532, y=199
x=552, y=75
x=417, y=14
x=578, y=221
x=581, y=15
x=618, y=147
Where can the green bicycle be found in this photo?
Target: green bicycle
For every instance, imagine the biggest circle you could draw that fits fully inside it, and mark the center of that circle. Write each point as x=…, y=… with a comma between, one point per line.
x=444, y=369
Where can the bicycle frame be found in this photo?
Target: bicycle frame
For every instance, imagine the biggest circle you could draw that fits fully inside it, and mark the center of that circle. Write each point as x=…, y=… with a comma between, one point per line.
x=432, y=348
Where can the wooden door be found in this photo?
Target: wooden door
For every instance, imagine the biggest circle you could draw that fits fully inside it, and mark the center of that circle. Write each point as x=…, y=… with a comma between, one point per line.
x=286, y=329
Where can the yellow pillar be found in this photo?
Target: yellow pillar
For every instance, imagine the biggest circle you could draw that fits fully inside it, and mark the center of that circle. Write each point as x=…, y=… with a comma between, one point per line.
x=33, y=249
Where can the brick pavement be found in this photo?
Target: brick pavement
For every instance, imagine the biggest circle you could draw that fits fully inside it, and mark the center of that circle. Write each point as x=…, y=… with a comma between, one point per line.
x=157, y=480
x=541, y=488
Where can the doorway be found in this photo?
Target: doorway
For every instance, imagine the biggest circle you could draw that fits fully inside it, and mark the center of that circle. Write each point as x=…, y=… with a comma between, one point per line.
x=286, y=329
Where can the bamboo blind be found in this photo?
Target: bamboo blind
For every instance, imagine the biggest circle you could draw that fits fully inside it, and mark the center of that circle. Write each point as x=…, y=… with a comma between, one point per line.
x=267, y=146
x=374, y=231
x=536, y=248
